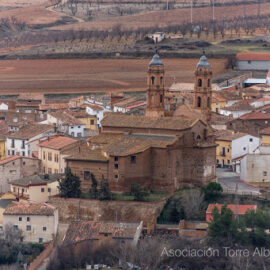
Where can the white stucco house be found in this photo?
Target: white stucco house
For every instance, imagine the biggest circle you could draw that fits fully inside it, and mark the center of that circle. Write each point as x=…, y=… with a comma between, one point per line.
x=38, y=221
x=98, y=111
x=17, y=143
x=253, y=61
x=3, y=106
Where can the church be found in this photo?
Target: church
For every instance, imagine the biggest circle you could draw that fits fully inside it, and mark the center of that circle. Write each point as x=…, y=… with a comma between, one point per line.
x=161, y=151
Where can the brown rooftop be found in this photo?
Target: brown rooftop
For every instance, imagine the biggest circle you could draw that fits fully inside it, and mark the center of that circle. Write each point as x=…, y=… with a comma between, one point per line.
x=228, y=135
x=29, y=131
x=29, y=208
x=57, y=143
x=135, y=121
x=66, y=118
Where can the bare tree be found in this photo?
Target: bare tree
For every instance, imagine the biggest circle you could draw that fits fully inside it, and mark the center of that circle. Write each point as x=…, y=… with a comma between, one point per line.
x=192, y=202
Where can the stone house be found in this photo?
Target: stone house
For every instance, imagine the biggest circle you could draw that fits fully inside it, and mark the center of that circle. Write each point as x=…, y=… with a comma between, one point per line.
x=52, y=152
x=16, y=167
x=36, y=188
x=38, y=221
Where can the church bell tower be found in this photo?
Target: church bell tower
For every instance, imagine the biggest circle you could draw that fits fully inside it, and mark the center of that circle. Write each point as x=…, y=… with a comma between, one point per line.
x=203, y=87
x=155, y=90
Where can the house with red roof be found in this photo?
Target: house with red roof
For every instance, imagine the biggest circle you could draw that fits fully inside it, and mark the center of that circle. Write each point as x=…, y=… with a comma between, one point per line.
x=15, y=167
x=253, y=61
x=238, y=210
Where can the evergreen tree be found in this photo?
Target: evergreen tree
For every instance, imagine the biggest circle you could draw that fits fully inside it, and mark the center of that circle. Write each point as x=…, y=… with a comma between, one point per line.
x=104, y=193
x=70, y=186
x=212, y=191
x=138, y=192
x=94, y=190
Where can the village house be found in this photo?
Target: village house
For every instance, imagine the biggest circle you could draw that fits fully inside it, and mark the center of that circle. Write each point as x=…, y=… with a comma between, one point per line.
x=52, y=107
x=96, y=233
x=253, y=61
x=38, y=221
x=97, y=111
x=162, y=153
x=29, y=102
x=52, y=153
x=16, y=167
x=251, y=123
x=66, y=123
x=19, y=142
x=218, y=102
x=2, y=145
x=238, y=210
x=38, y=187
x=233, y=145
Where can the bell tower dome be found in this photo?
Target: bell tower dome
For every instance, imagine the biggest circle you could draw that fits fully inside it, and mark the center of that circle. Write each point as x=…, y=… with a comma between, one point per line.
x=155, y=88
x=203, y=87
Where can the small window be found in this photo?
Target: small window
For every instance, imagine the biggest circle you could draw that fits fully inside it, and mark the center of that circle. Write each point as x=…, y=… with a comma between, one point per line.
x=228, y=150
x=161, y=98
x=49, y=190
x=115, y=159
x=24, y=163
x=42, y=189
x=92, y=122
x=133, y=159
x=23, y=153
x=244, y=148
x=28, y=227
x=152, y=80
x=249, y=61
x=265, y=173
x=116, y=166
x=199, y=102
x=15, y=227
x=251, y=139
x=86, y=175
x=40, y=240
x=228, y=161
x=217, y=161
x=20, y=218
x=200, y=82
x=28, y=218
x=44, y=229
x=116, y=176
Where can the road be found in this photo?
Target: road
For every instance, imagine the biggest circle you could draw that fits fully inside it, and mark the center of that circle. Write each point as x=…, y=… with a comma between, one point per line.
x=229, y=180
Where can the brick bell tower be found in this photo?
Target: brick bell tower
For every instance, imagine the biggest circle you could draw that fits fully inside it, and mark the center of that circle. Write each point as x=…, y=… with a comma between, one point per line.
x=203, y=87
x=155, y=90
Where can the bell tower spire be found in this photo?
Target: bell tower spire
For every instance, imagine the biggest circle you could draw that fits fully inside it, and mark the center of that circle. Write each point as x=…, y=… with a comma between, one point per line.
x=203, y=87
x=155, y=87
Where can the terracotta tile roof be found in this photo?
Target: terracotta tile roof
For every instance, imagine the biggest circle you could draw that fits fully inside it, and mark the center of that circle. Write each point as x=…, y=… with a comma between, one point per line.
x=220, y=119
x=255, y=116
x=136, y=121
x=51, y=106
x=31, y=130
x=3, y=127
x=265, y=131
x=86, y=153
x=228, y=135
x=104, y=138
x=95, y=107
x=66, y=118
x=9, y=159
x=241, y=209
x=79, y=231
x=133, y=144
x=229, y=95
x=34, y=180
x=30, y=208
x=58, y=142
x=243, y=105
x=217, y=98
x=253, y=56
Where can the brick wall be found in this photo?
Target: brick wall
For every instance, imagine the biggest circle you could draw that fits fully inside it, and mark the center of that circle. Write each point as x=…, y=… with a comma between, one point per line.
x=124, y=211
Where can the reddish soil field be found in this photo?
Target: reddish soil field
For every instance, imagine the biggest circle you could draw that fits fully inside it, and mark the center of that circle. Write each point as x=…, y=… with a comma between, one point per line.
x=88, y=75
x=171, y=17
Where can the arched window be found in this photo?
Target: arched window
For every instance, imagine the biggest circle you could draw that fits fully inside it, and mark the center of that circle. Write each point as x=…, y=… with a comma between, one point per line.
x=198, y=138
x=161, y=98
x=161, y=80
x=208, y=103
x=199, y=102
x=200, y=82
x=208, y=83
x=152, y=80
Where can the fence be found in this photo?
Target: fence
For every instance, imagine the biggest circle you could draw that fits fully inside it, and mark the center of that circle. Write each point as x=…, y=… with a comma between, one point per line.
x=244, y=193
